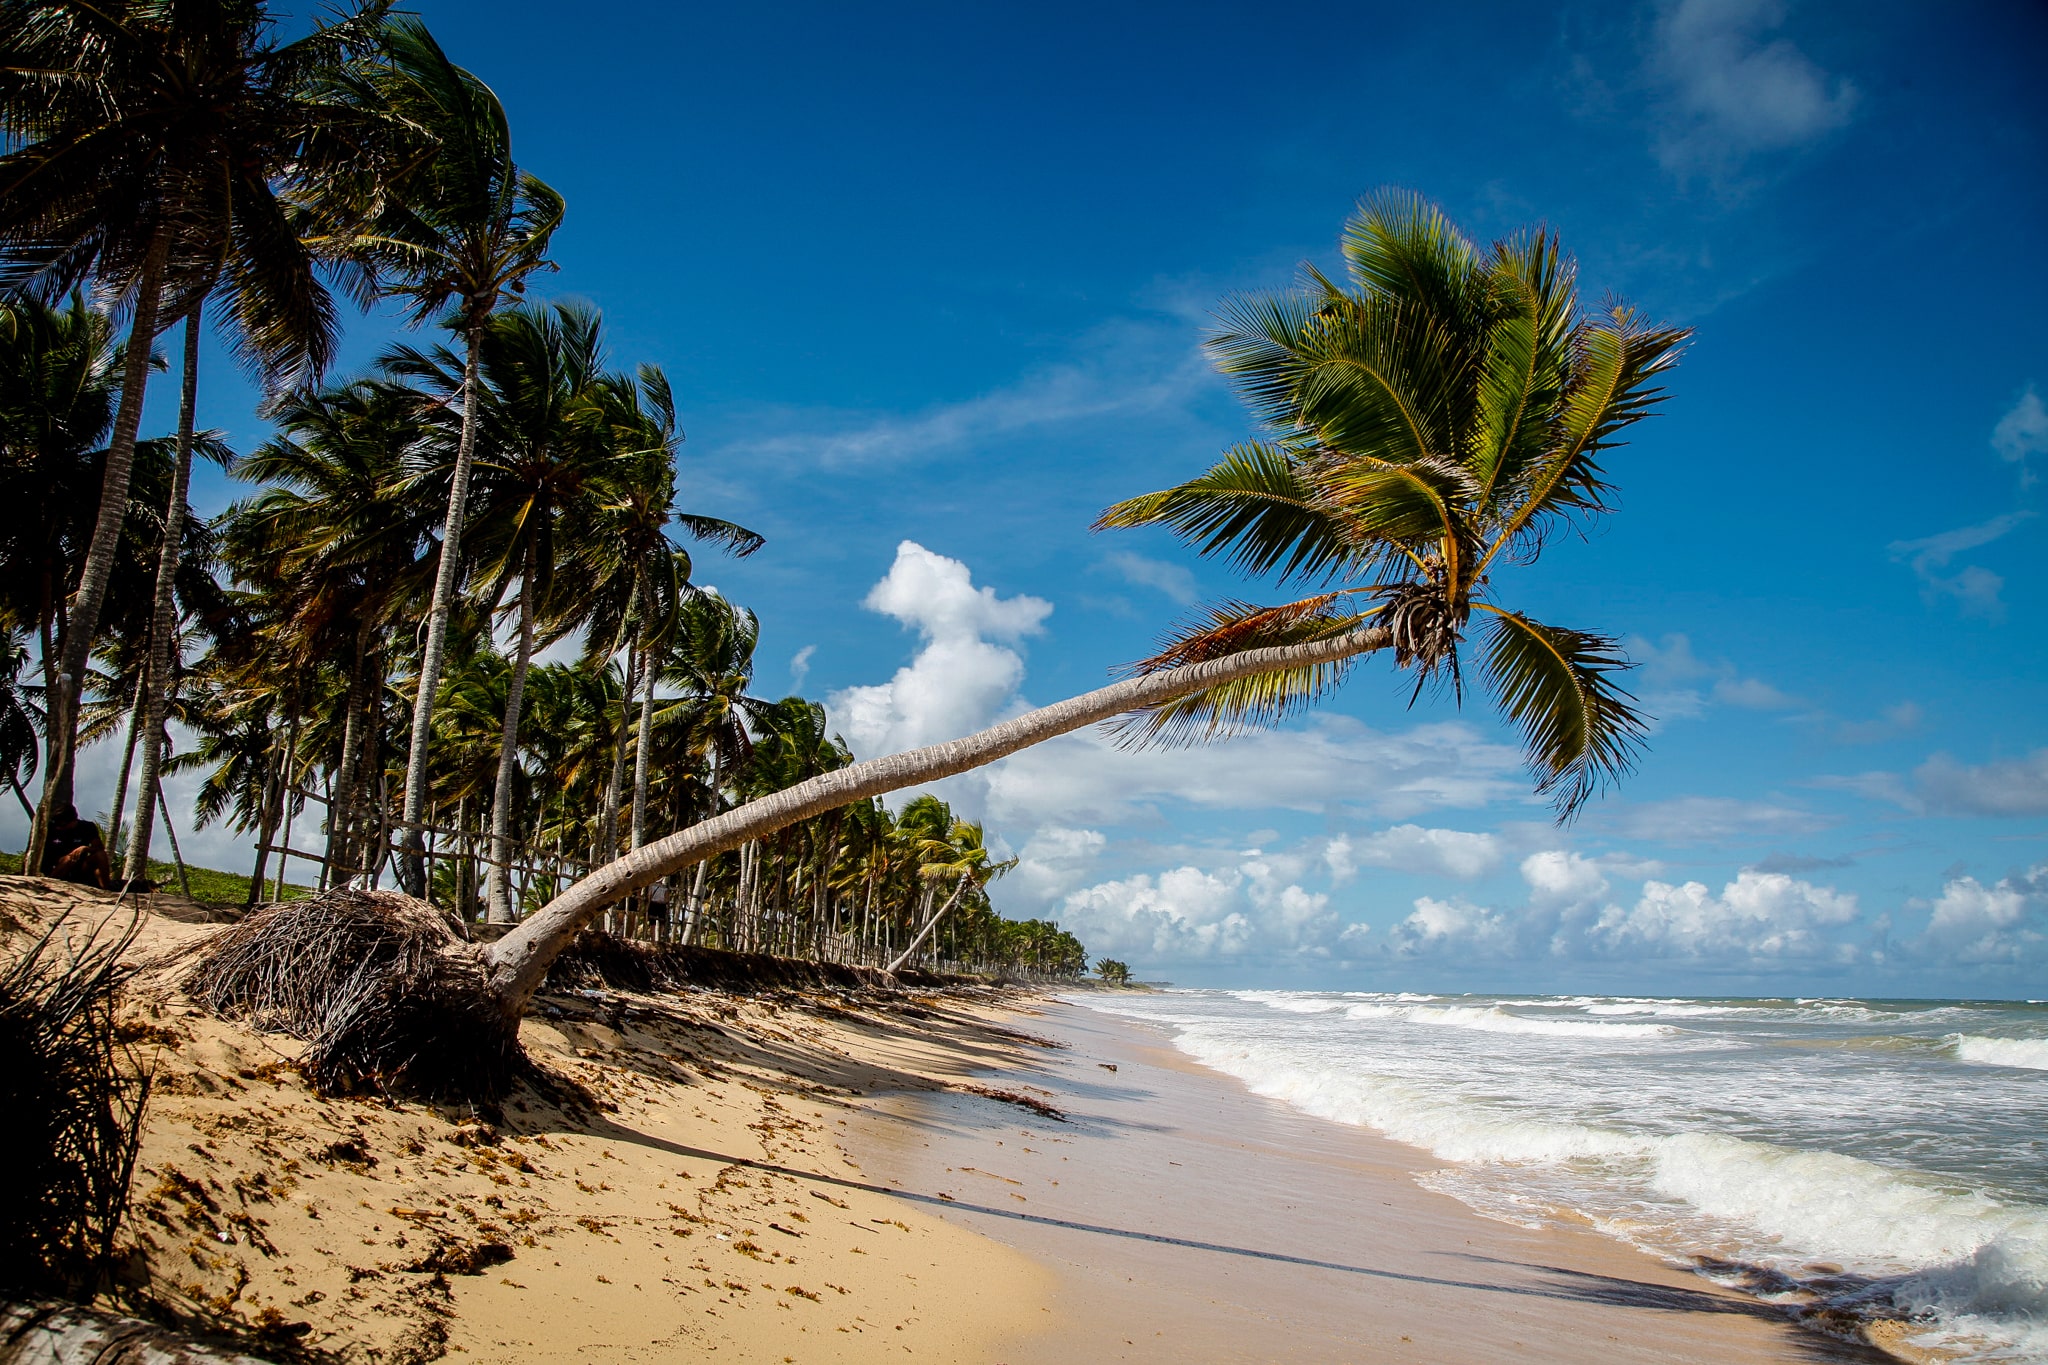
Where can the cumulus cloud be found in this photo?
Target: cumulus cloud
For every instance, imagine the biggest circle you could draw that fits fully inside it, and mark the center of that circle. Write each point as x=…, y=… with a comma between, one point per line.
x=2006, y=922
x=1558, y=877
x=1331, y=762
x=1974, y=587
x=1415, y=849
x=1053, y=862
x=1457, y=926
x=1192, y=914
x=963, y=674
x=1731, y=91
x=1174, y=580
x=1758, y=915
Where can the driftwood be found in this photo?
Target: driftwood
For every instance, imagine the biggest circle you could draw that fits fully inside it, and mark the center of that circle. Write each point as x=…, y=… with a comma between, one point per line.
x=66, y=1334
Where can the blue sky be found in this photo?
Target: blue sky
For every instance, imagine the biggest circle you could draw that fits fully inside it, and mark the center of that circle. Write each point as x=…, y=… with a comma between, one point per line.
x=931, y=282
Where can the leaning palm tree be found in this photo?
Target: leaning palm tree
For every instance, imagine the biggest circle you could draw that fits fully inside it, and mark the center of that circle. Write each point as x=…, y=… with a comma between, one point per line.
x=155, y=146
x=960, y=856
x=458, y=235
x=1434, y=419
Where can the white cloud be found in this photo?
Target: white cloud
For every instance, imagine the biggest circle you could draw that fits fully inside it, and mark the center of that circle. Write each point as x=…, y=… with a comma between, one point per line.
x=1455, y=927
x=1759, y=914
x=1125, y=367
x=1330, y=762
x=2023, y=431
x=1709, y=819
x=1731, y=93
x=1053, y=862
x=1174, y=580
x=1677, y=684
x=1192, y=914
x=960, y=678
x=1943, y=786
x=1974, y=587
x=1558, y=877
x=800, y=667
x=1414, y=849
x=2004, y=922
x=2015, y=786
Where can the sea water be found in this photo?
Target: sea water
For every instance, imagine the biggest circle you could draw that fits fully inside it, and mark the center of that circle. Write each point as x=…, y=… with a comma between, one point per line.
x=1871, y=1156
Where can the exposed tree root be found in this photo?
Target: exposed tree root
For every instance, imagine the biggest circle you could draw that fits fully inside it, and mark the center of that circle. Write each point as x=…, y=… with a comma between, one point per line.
x=381, y=987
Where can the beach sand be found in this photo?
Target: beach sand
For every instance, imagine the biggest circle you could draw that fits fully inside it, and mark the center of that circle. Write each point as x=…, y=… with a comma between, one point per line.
x=698, y=1208
x=819, y=1177
x=1189, y=1219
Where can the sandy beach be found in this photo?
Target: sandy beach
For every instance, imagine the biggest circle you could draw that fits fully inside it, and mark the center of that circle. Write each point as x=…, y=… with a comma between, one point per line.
x=807, y=1176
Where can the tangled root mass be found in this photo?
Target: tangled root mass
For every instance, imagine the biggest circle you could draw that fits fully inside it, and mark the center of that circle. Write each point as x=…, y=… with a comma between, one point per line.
x=380, y=986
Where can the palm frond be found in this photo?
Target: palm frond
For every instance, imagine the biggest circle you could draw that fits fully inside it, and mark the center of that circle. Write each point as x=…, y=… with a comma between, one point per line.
x=1255, y=505
x=1580, y=729
x=1256, y=702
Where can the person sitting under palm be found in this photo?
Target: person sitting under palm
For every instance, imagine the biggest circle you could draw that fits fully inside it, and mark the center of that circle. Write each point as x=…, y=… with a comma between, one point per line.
x=75, y=852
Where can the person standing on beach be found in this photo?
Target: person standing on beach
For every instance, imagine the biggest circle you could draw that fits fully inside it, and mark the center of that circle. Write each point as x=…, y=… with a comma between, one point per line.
x=657, y=911
x=75, y=852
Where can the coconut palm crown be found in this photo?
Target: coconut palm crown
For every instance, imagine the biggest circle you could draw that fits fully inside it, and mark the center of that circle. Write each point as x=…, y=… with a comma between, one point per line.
x=1435, y=417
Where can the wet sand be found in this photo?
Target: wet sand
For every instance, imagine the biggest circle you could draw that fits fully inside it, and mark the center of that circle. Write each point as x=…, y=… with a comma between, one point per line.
x=1187, y=1219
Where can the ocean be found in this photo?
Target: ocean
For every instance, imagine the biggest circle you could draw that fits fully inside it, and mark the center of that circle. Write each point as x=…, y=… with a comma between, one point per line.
x=1867, y=1156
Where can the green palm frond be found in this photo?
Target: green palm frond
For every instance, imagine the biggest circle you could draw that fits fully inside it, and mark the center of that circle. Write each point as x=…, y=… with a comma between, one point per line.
x=1255, y=507
x=1580, y=729
x=1617, y=359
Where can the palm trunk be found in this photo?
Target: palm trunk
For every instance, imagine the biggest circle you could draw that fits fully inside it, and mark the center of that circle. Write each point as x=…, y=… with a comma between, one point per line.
x=412, y=870
x=519, y=962
x=177, y=854
x=128, y=754
x=645, y=742
x=341, y=863
x=266, y=825
x=160, y=682
x=83, y=620
x=284, y=806
x=500, y=882
x=606, y=844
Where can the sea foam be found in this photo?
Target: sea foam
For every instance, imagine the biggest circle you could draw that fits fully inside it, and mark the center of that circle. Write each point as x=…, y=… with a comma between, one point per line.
x=1642, y=1143
x=2028, y=1053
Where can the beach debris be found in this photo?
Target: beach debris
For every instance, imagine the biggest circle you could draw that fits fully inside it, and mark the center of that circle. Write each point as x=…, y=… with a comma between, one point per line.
x=382, y=988
x=1022, y=1101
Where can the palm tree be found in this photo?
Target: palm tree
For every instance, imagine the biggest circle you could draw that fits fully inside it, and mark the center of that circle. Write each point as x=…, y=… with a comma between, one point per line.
x=338, y=559
x=711, y=659
x=641, y=577
x=21, y=718
x=156, y=145
x=59, y=381
x=960, y=856
x=545, y=461
x=1429, y=422
x=465, y=229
